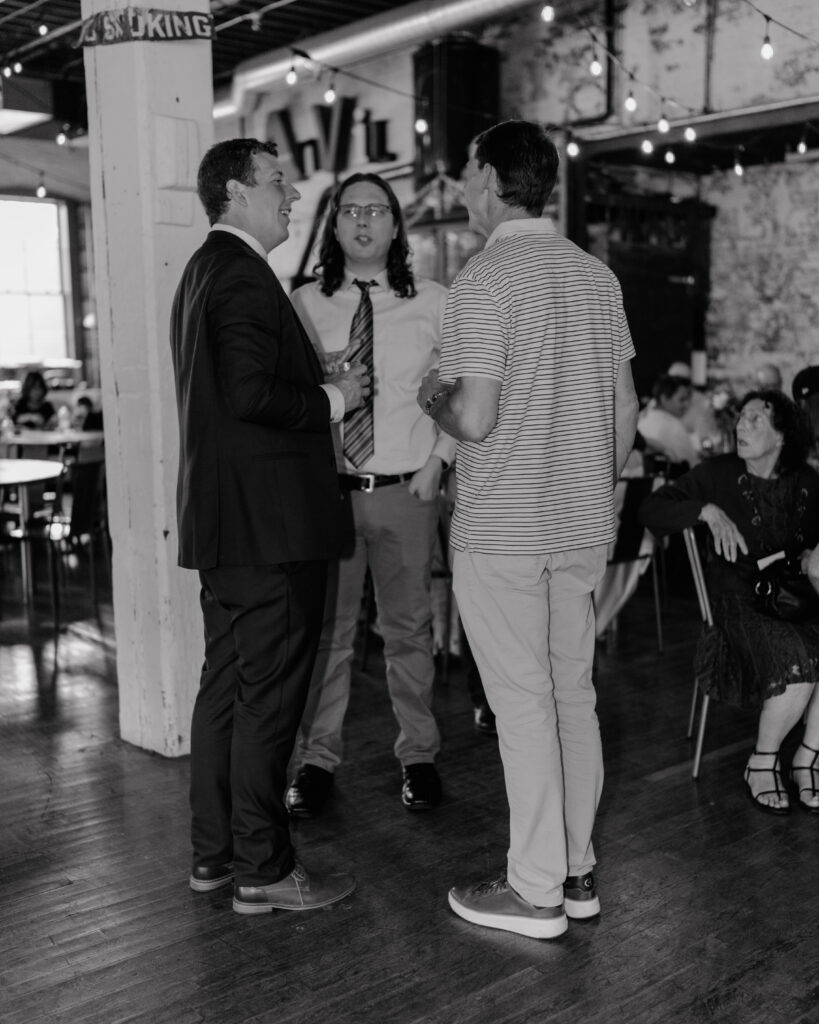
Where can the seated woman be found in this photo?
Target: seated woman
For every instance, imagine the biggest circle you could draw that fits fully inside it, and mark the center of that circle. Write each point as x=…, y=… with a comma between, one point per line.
x=661, y=424
x=31, y=409
x=763, y=500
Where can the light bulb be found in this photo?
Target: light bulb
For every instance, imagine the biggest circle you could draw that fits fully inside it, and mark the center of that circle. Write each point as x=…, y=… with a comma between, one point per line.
x=630, y=103
x=548, y=13
x=17, y=67
x=7, y=72
x=767, y=51
x=61, y=139
x=41, y=191
x=421, y=126
x=802, y=146
x=596, y=68
x=739, y=170
x=647, y=146
x=669, y=156
x=43, y=30
x=662, y=124
x=330, y=94
x=291, y=77
x=690, y=134
x=572, y=149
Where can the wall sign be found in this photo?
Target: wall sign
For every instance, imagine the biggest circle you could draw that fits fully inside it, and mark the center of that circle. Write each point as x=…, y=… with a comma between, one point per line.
x=146, y=25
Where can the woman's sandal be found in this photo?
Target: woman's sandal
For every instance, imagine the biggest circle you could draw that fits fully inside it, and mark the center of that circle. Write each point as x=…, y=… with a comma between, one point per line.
x=775, y=770
x=813, y=788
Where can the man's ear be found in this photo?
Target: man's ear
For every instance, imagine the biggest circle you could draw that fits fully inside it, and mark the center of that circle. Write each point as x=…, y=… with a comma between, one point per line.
x=489, y=179
x=236, y=191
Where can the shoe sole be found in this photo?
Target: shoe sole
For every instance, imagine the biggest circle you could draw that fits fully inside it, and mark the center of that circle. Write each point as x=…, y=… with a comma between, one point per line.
x=581, y=910
x=532, y=928
x=199, y=885
x=267, y=908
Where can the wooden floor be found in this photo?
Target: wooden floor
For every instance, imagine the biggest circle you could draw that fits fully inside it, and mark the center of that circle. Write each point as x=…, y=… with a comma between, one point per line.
x=709, y=907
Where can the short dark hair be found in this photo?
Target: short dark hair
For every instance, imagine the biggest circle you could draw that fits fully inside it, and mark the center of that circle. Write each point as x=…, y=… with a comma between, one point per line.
x=525, y=160
x=669, y=384
x=789, y=420
x=330, y=266
x=232, y=159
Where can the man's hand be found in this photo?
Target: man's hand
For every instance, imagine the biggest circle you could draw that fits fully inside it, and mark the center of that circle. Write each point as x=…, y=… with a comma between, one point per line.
x=354, y=385
x=426, y=482
x=727, y=538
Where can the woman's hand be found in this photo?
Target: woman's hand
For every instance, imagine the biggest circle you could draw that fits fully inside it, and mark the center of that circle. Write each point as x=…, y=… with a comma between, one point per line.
x=727, y=538
x=810, y=566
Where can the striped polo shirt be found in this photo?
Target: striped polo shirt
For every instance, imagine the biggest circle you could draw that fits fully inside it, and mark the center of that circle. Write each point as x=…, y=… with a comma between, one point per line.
x=544, y=319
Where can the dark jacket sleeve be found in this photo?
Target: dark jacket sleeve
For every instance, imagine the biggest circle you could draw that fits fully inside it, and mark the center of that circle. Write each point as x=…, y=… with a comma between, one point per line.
x=247, y=343
x=678, y=504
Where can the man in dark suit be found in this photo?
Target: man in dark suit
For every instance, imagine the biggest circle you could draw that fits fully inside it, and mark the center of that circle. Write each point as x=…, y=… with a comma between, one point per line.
x=259, y=510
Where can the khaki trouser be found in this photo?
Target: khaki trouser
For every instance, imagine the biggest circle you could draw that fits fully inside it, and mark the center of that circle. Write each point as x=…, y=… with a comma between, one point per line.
x=530, y=622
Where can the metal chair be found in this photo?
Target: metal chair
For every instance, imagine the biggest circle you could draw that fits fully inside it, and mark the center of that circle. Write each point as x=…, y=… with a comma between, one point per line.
x=705, y=611
x=628, y=546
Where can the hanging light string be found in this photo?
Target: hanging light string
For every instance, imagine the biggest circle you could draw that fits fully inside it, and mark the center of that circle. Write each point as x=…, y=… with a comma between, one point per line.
x=35, y=169
x=770, y=20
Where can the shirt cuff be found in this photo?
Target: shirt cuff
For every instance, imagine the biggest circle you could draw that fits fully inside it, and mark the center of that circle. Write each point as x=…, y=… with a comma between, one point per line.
x=336, y=402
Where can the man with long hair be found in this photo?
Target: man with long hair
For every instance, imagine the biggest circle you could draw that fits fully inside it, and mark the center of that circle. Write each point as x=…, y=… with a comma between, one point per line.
x=368, y=306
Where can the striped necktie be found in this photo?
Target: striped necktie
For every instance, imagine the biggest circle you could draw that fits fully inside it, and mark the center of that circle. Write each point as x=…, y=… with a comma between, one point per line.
x=359, y=442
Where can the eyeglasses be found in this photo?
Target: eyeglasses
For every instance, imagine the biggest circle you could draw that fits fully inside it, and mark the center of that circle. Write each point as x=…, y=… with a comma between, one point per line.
x=373, y=211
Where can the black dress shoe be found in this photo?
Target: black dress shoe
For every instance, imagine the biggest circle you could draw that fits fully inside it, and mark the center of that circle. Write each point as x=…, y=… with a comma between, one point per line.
x=422, y=787
x=300, y=890
x=308, y=792
x=485, y=721
x=206, y=878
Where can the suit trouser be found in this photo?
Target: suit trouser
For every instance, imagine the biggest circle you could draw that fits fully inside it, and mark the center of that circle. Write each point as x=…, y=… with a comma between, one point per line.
x=530, y=623
x=395, y=535
x=262, y=625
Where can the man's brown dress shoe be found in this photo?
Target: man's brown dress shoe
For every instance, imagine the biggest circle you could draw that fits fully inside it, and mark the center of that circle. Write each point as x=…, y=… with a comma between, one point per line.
x=296, y=891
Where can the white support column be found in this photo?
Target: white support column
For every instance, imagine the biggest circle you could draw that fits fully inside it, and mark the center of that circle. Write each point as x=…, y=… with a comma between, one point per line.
x=150, y=120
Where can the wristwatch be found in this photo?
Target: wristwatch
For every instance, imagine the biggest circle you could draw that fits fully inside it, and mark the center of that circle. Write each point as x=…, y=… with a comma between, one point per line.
x=433, y=398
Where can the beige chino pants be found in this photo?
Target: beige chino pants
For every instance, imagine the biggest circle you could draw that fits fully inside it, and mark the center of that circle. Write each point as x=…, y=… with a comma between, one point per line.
x=530, y=624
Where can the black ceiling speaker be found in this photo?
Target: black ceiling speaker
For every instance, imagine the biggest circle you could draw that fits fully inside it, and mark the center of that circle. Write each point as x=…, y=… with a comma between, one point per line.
x=457, y=89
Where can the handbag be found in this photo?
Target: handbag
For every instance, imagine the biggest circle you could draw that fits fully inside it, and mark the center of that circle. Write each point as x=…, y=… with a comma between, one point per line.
x=783, y=591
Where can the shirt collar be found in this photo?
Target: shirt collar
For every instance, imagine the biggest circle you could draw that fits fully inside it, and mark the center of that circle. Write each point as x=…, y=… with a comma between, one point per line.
x=380, y=280
x=522, y=226
x=254, y=243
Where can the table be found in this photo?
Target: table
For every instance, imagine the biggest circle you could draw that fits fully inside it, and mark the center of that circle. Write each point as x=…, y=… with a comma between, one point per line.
x=21, y=473
x=24, y=438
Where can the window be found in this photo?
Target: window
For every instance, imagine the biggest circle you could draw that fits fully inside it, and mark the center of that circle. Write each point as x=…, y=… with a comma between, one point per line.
x=34, y=293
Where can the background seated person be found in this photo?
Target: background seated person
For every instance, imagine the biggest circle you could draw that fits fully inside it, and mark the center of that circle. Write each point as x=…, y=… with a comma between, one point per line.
x=661, y=424
x=85, y=415
x=762, y=500
x=32, y=410
x=806, y=395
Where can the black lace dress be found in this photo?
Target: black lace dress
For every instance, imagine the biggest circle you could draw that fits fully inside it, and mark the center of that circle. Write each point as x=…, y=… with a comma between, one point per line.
x=747, y=656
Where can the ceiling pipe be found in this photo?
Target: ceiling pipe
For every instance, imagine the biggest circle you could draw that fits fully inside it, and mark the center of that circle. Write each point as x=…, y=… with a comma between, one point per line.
x=409, y=25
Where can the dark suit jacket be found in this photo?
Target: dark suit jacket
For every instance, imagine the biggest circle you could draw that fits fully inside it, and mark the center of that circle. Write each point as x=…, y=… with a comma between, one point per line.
x=257, y=480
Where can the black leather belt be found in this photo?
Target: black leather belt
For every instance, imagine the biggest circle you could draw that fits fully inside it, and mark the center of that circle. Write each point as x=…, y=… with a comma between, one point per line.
x=368, y=482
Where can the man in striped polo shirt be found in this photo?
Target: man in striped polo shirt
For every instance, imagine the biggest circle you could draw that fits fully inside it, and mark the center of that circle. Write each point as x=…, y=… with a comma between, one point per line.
x=535, y=383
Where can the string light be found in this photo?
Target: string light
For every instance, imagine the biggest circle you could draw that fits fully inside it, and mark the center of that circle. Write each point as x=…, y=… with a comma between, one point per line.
x=41, y=191
x=256, y=21
x=690, y=134
x=548, y=13
x=630, y=103
x=421, y=125
x=7, y=71
x=662, y=124
x=647, y=146
x=767, y=51
x=42, y=30
x=61, y=138
x=330, y=93
x=596, y=68
x=291, y=77
x=669, y=156
x=572, y=149
x=17, y=67
x=739, y=170
x=802, y=145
